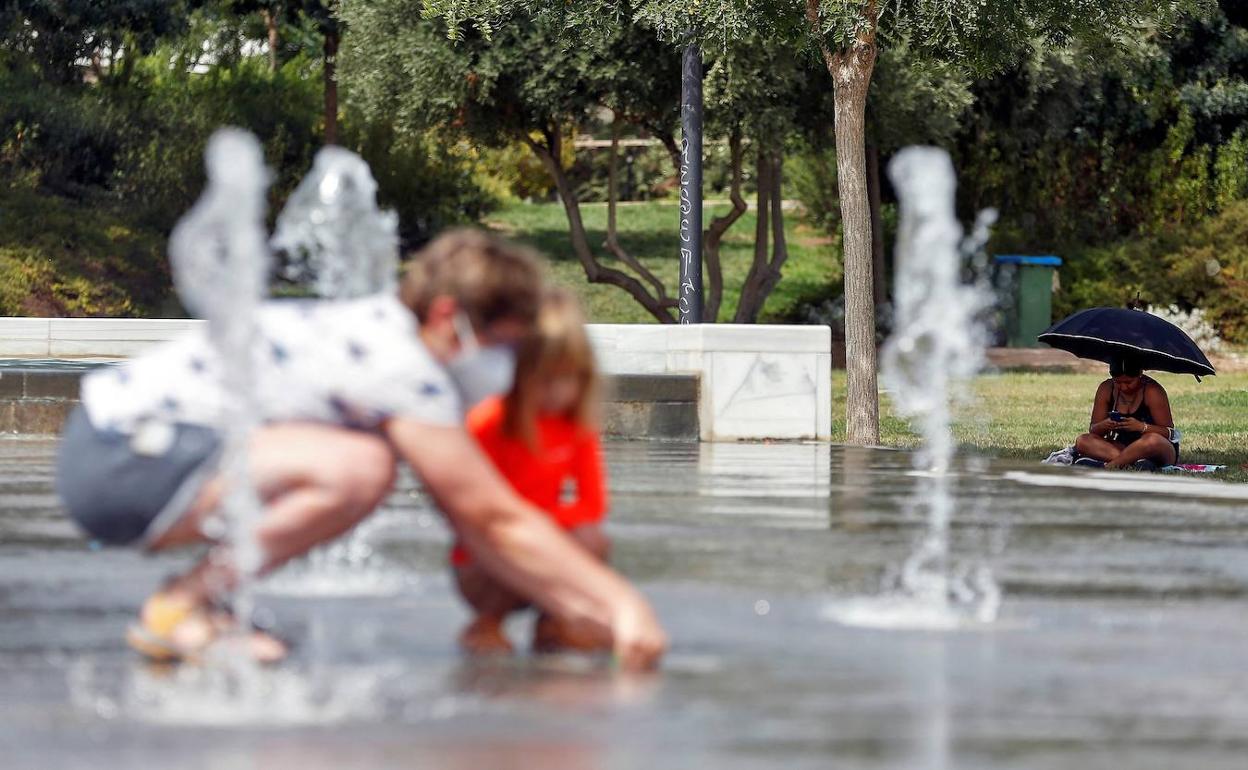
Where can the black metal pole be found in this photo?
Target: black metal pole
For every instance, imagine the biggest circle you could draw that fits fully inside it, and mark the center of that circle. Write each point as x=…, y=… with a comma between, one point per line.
x=691, y=186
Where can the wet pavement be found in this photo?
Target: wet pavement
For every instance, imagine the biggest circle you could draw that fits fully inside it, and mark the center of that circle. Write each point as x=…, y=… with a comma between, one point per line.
x=1121, y=641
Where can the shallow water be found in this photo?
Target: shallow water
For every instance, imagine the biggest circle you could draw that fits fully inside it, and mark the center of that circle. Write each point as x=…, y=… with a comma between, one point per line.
x=1120, y=641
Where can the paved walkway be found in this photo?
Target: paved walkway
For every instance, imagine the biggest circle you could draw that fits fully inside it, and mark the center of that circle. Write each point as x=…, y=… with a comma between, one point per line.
x=1120, y=645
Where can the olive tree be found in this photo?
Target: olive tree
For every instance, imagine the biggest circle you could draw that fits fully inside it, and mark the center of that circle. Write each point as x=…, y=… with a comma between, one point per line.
x=848, y=35
x=535, y=80
x=530, y=82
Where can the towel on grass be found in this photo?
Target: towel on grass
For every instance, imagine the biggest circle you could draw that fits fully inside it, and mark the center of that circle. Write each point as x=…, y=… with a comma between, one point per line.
x=1068, y=456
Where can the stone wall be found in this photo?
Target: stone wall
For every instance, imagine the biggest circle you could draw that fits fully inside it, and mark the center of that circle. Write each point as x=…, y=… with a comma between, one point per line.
x=752, y=382
x=37, y=395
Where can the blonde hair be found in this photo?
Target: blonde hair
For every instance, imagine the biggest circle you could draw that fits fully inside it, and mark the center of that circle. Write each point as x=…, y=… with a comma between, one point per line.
x=489, y=278
x=558, y=344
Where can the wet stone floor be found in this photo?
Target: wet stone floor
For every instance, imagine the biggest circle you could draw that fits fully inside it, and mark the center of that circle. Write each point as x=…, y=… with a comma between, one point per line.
x=1121, y=641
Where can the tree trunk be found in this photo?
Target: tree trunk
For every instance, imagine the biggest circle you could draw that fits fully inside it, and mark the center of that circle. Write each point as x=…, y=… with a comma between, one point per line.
x=779, y=243
x=612, y=244
x=879, y=277
x=595, y=271
x=749, y=303
x=765, y=272
x=715, y=233
x=331, y=86
x=851, y=71
x=270, y=26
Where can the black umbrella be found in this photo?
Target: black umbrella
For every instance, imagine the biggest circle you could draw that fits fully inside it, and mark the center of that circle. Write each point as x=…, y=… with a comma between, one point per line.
x=1106, y=333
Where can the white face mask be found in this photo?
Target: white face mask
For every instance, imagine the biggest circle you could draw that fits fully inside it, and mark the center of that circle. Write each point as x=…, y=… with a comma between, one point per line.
x=479, y=371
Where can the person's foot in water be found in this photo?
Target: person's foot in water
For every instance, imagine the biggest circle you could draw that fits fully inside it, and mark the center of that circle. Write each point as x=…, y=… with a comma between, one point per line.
x=484, y=636
x=1089, y=462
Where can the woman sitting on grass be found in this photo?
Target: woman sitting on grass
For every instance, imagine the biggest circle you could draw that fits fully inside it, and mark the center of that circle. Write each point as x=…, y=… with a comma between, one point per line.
x=1131, y=423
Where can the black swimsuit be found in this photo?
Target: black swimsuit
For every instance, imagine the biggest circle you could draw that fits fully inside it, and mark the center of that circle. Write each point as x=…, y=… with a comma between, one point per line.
x=1141, y=413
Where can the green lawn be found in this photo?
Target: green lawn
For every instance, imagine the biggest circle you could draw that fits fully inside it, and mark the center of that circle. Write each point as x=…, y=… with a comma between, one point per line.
x=648, y=230
x=1027, y=415
x=1013, y=414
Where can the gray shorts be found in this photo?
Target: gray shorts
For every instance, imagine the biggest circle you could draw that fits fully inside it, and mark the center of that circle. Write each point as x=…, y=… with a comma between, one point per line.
x=122, y=488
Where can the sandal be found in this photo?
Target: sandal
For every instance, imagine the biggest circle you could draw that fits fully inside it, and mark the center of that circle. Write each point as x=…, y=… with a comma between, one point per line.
x=179, y=630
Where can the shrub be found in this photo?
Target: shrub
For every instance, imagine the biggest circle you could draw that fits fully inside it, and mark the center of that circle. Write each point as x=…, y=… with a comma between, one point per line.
x=60, y=257
x=430, y=183
x=94, y=176
x=1193, y=324
x=66, y=138
x=811, y=176
x=1204, y=266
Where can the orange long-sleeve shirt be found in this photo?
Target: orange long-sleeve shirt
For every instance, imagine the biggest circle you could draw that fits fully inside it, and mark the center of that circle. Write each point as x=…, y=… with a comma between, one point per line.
x=566, y=454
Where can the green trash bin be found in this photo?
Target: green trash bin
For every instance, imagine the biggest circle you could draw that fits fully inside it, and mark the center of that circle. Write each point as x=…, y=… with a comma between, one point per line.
x=1033, y=284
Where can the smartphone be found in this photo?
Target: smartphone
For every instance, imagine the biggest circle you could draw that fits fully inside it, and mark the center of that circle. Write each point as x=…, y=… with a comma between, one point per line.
x=1116, y=416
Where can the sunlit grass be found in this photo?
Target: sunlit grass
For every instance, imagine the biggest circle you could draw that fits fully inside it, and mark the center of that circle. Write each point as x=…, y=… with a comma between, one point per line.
x=1029, y=414
x=649, y=231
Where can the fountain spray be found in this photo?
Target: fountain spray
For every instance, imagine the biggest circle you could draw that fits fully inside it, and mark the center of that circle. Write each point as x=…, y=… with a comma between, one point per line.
x=341, y=245
x=937, y=345
x=221, y=264
x=336, y=238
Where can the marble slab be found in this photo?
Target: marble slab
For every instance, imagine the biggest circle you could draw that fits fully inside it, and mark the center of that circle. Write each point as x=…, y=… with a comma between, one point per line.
x=109, y=337
x=24, y=336
x=756, y=382
x=764, y=395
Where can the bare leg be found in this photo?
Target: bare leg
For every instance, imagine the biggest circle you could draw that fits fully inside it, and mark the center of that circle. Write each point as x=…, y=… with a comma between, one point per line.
x=1097, y=447
x=1151, y=446
x=492, y=603
x=317, y=482
x=484, y=594
x=549, y=635
x=593, y=539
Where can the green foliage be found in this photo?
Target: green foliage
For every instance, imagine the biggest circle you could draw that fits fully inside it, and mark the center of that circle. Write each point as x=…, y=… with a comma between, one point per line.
x=430, y=182
x=1180, y=175
x=1211, y=271
x=125, y=148
x=515, y=170
x=1201, y=267
x=762, y=87
x=65, y=138
x=1082, y=146
x=1231, y=170
x=172, y=114
x=531, y=76
x=811, y=175
x=915, y=100
x=982, y=35
x=59, y=36
x=73, y=258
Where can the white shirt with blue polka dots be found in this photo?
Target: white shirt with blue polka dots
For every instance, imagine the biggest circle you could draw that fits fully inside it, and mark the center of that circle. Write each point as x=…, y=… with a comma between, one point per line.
x=354, y=363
